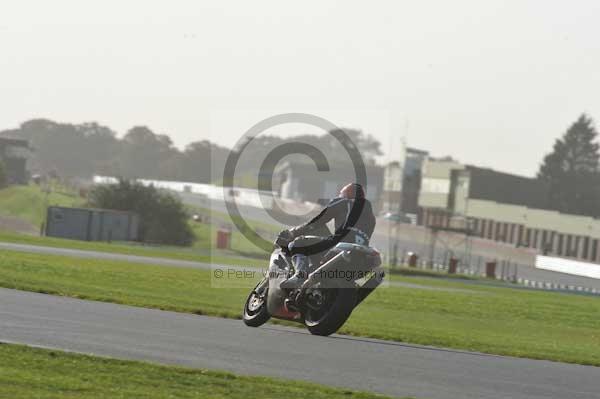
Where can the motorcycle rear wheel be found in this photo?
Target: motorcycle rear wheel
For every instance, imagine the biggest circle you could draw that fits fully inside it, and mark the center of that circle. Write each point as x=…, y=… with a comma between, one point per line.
x=338, y=305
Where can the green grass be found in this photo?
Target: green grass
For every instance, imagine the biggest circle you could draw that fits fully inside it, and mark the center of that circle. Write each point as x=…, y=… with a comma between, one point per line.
x=41, y=373
x=194, y=254
x=505, y=321
x=411, y=271
x=240, y=245
x=29, y=202
x=223, y=216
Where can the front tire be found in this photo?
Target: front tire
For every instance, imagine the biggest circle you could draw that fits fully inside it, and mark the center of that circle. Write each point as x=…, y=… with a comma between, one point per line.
x=255, y=310
x=339, y=304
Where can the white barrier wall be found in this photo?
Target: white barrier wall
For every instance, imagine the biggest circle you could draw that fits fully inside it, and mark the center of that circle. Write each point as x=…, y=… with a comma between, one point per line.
x=241, y=196
x=568, y=266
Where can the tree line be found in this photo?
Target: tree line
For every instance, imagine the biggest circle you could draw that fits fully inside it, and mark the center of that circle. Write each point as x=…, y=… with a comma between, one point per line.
x=82, y=150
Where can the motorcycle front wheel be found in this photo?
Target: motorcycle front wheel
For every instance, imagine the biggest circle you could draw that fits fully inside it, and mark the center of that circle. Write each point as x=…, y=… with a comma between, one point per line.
x=255, y=309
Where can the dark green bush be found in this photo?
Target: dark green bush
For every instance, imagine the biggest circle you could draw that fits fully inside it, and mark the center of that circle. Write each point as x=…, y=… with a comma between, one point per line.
x=3, y=179
x=163, y=216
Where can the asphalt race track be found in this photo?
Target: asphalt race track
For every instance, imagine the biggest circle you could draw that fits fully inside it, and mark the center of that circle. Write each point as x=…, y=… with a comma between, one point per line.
x=387, y=367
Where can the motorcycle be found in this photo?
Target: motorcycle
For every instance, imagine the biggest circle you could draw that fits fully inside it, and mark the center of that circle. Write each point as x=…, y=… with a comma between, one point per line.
x=338, y=283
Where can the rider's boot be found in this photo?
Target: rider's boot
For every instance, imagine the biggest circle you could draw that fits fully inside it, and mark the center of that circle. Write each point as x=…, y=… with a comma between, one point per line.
x=301, y=263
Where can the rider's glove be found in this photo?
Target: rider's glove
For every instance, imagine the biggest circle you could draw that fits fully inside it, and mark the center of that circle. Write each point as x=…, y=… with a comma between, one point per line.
x=286, y=234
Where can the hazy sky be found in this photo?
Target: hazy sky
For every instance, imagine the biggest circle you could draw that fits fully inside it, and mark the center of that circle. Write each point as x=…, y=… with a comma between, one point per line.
x=491, y=83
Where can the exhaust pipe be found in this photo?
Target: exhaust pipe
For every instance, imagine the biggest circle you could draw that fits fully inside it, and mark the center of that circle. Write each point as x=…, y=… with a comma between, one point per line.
x=325, y=267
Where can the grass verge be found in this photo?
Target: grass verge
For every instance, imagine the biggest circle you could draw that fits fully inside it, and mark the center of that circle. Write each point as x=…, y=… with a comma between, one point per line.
x=410, y=271
x=29, y=202
x=41, y=373
x=205, y=255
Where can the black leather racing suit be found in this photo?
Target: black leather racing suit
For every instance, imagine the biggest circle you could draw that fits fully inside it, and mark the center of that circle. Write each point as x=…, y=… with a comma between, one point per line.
x=354, y=222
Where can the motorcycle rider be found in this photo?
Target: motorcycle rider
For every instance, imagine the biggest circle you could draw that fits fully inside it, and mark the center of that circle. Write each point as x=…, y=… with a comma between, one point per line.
x=354, y=223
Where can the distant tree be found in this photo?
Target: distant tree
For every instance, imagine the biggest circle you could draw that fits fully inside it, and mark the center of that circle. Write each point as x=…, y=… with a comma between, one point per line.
x=204, y=161
x=100, y=147
x=142, y=152
x=572, y=172
x=256, y=152
x=3, y=179
x=369, y=147
x=163, y=216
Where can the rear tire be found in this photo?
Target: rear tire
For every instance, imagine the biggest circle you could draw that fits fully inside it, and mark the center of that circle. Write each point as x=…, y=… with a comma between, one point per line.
x=255, y=310
x=336, y=315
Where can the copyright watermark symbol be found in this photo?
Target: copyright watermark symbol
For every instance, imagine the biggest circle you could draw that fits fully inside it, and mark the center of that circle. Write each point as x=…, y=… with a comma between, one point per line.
x=266, y=170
